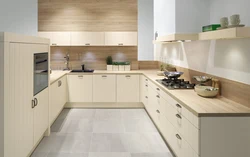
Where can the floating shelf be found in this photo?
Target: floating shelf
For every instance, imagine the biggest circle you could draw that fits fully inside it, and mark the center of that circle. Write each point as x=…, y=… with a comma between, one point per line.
x=230, y=33
x=175, y=38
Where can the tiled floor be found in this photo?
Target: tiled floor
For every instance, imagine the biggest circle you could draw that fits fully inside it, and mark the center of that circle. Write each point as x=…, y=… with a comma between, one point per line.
x=103, y=133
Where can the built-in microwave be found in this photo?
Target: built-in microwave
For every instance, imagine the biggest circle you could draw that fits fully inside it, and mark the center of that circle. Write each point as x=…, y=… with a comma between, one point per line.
x=41, y=72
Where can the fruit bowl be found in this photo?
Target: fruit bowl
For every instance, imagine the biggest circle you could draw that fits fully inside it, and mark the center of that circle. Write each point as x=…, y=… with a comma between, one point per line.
x=206, y=91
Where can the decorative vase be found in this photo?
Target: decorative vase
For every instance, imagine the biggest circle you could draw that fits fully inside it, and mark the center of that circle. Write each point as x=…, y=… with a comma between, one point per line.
x=109, y=67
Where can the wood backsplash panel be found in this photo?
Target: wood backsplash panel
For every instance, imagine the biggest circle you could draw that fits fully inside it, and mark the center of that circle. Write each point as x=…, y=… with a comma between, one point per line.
x=87, y=15
x=92, y=57
x=235, y=91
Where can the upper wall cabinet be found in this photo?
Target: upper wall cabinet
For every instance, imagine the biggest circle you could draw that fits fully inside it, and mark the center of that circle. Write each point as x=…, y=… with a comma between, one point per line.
x=121, y=39
x=87, y=38
x=56, y=38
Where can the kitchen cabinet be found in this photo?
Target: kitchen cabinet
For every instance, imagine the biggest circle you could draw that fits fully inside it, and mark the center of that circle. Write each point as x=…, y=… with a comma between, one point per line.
x=128, y=88
x=104, y=88
x=87, y=38
x=144, y=90
x=58, y=97
x=57, y=38
x=80, y=88
x=154, y=105
x=22, y=125
x=121, y=38
x=41, y=114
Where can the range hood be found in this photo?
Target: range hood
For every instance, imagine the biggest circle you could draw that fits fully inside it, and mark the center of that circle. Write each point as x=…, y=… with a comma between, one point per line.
x=176, y=38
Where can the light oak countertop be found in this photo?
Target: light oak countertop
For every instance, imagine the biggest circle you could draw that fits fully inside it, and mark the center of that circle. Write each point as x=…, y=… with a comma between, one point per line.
x=199, y=106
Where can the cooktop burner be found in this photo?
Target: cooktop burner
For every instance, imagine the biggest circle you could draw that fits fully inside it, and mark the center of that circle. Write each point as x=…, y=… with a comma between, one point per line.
x=176, y=83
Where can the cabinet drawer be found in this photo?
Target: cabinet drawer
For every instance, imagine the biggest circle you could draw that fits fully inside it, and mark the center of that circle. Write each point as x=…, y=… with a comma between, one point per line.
x=181, y=109
x=154, y=87
x=187, y=130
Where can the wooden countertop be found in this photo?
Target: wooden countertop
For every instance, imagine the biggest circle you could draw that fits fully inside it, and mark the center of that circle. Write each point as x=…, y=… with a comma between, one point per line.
x=199, y=106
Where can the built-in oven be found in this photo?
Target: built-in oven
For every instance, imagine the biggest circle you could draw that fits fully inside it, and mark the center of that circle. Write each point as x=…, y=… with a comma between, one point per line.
x=41, y=72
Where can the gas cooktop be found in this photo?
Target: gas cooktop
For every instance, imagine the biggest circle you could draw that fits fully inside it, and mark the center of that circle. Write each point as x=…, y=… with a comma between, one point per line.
x=176, y=84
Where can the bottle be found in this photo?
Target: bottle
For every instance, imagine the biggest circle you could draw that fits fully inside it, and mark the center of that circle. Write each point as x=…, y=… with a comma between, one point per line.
x=156, y=35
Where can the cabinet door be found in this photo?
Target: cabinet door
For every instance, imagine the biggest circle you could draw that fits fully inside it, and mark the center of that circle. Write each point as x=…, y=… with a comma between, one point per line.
x=54, y=100
x=121, y=38
x=128, y=88
x=18, y=108
x=154, y=105
x=87, y=39
x=104, y=88
x=41, y=114
x=80, y=88
x=144, y=90
x=57, y=38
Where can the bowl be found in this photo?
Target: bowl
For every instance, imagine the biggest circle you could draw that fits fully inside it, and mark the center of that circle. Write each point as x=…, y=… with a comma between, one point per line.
x=206, y=91
x=202, y=79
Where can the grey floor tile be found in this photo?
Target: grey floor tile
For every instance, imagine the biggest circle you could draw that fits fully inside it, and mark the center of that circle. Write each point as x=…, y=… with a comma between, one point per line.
x=68, y=155
x=102, y=142
x=139, y=125
x=110, y=154
x=131, y=114
x=152, y=155
x=106, y=114
x=108, y=126
x=39, y=154
x=81, y=114
x=77, y=126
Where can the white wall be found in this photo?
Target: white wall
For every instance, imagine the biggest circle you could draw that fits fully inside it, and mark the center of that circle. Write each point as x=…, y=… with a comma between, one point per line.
x=191, y=15
x=145, y=29
x=226, y=8
x=164, y=17
x=19, y=16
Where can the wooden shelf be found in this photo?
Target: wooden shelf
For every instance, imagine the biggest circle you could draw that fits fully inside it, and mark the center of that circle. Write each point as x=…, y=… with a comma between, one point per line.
x=175, y=38
x=230, y=33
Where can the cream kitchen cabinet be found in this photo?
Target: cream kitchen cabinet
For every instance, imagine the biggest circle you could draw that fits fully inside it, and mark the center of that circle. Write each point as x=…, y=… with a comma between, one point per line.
x=58, y=97
x=80, y=88
x=87, y=39
x=144, y=90
x=41, y=114
x=21, y=124
x=121, y=38
x=57, y=38
x=128, y=88
x=104, y=88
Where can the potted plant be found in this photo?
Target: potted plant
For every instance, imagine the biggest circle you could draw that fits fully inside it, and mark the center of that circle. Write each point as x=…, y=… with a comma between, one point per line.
x=127, y=66
x=115, y=66
x=121, y=66
x=109, y=62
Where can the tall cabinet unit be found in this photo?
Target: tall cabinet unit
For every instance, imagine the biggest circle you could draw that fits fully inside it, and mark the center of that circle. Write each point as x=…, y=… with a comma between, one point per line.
x=22, y=123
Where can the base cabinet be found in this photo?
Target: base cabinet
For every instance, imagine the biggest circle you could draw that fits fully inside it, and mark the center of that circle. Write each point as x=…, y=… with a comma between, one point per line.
x=58, y=97
x=41, y=114
x=144, y=90
x=80, y=88
x=104, y=88
x=128, y=88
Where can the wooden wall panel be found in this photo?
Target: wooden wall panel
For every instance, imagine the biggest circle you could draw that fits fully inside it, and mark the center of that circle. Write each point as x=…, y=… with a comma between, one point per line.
x=232, y=90
x=92, y=57
x=87, y=15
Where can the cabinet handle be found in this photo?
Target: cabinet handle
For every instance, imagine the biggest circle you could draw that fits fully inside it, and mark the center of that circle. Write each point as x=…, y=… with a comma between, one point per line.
x=146, y=79
x=179, y=106
x=178, y=136
x=87, y=44
x=59, y=83
x=157, y=96
x=36, y=102
x=128, y=76
x=120, y=44
x=146, y=97
x=146, y=85
x=158, y=89
x=80, y=76
x=178, y=116
x=32, y=104
x=104, y=76
x=158, y=111
x=54, y=44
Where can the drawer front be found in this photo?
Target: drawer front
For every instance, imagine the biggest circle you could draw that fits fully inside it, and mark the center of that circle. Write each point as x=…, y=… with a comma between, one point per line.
x=181, y=109
x=154, y=87
x=153, y=106
x=188, y=131
x=178, y=144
